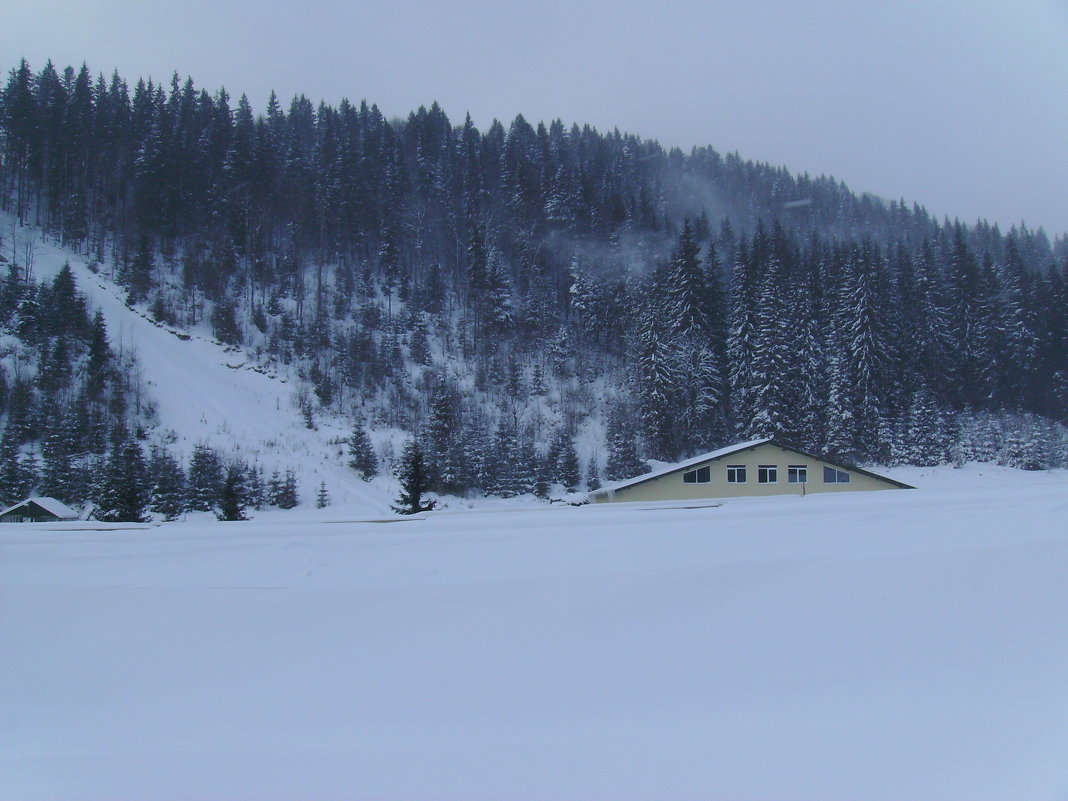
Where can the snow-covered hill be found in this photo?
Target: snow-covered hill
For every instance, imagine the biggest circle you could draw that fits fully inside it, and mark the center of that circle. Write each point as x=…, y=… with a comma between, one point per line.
x=889, y=645
x=205, y=392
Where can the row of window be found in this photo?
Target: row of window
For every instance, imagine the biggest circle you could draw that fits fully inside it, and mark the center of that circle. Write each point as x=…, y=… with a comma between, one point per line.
x=766, y=474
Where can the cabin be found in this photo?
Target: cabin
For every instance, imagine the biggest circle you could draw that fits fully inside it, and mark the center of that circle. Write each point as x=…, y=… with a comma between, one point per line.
x=37, y=510
x=761, y=467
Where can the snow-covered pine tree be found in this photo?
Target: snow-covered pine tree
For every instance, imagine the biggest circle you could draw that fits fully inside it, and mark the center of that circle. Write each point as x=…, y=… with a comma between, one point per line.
x=288, y=497
x=503, y=464
x=124, y=492
x=862, y=327
x=525, y=472
x=206, y=478
x=419, y=344
x=925, y=439
x=15, y=484
x=593, y=475
x=442, y=427
x=254, y=485
x=741, y=338
x=687, y=304
x=412, y=474
x=169, y=490
x=362, y=456
x=568, y=472
x=274, y=489
x=658, y=389
x=233, y=499
x=623, y=461
x=58, y=454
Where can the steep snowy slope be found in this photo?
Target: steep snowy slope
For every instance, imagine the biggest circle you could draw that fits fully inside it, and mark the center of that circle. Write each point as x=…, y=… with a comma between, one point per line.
x=889, y=645
x=206, y=393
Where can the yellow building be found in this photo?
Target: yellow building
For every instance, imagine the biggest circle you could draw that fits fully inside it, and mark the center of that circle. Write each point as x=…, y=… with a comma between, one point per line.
x=761, y=467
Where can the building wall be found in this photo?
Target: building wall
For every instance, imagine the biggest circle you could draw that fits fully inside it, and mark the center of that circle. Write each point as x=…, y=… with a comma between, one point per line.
x=671, y=486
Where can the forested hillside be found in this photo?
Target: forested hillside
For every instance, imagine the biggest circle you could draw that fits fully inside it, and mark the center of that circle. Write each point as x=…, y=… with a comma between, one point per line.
x=544, y=304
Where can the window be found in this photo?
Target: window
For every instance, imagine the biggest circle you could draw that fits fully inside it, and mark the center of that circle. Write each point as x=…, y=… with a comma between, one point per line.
x=832, y=476
x=736, y=474
x=768, y=474
x=702, y=475
x=797, y=474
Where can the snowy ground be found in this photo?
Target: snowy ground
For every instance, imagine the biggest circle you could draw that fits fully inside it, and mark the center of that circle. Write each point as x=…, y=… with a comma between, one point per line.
x=889, y=645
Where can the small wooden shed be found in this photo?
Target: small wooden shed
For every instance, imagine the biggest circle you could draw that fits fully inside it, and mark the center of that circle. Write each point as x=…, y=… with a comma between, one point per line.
x=38, y=510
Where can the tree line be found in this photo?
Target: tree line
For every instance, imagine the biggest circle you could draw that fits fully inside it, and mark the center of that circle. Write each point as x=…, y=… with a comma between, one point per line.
x=512, y=294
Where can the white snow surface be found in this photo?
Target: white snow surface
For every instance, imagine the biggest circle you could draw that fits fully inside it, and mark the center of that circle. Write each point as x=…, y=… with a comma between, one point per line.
x=205, y=392
x=887, y=645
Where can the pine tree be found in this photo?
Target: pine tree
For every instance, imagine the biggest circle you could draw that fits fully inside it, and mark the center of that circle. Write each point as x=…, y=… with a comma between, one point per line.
x=769, y=377
x=362, y=457
x=124, y=493
x=741, y=338
x=15, y=484
x=593, y=476
x=206, y=478
x=623, y=461
x=169, y=490
x=233, y=499
x=443, y=467
x=288, y=497
x=502, y=469
x=97, y=366
x=568, y=471
x=274, y=489
x=419, y=345
x=412, y=475
x=658, y=389
x=688, y=294
x=322, y=498
x=59, y=450
x=926, y=434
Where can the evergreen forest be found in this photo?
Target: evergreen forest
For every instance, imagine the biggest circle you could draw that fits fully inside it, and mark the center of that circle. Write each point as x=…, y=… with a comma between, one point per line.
x=537, y=305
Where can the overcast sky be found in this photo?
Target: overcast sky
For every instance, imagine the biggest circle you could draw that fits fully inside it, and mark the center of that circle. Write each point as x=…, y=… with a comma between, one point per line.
x=961, y=105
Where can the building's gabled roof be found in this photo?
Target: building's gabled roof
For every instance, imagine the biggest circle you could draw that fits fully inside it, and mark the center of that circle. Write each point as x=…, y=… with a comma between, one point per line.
x=730, y=449
x=50, y=505
x=696, y=460
x=851, y=468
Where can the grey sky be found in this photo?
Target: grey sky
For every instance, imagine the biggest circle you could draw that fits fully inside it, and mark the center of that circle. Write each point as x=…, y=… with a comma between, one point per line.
x=961, y=106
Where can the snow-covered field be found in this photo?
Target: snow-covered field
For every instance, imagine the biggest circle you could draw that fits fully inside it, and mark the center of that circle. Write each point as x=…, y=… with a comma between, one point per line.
x=891, y=645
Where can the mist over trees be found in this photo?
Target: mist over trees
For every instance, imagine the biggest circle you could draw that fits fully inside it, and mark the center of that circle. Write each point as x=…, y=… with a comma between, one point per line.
x=538, y=303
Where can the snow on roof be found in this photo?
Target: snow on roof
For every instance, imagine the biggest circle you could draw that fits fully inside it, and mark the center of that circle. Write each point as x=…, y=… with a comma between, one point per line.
x=50, y=505
x=671, y=468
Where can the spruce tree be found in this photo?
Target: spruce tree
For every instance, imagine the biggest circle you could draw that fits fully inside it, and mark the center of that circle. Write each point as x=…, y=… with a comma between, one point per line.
x=125, y=492
x=169, y=490
x=288, y=496
x=362, y=457
x=233, y=499
x=322, y=498
x=412, y=475
x=593, y=475
x=206, y=478
x=274, y=489
x=568, y=471
x=623, y=461
x=15, y=484
x=257, y=492
x=503, y=463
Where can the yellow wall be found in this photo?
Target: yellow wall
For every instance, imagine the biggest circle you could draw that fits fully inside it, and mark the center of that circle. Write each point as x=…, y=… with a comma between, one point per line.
x=671, y=486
